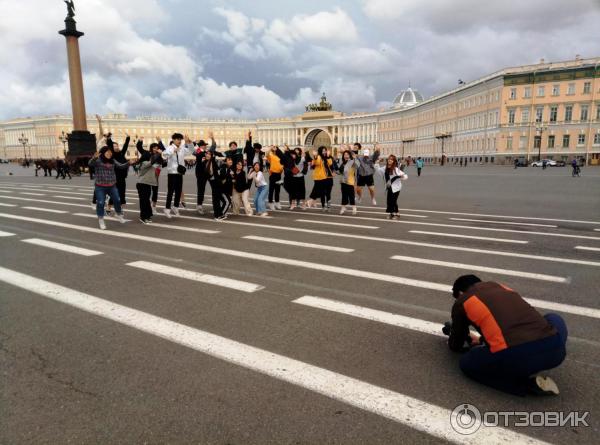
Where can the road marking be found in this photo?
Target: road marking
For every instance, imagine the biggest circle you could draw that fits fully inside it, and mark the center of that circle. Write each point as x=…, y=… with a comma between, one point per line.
x=61, y=246
x=355, y=236
x=7, y=205
x=456, y=235
x=32, y=194
x=597, y=230
x=241, y=254
x=336, y=224
x=422, y=416
x=39, y=209
x=72, y=204
x=186, y=229
x=491, y=229
x=513, y=273
x=71, y=197
x=94, y=216
x=347, y=216
x=504, y=216
x=299, y=244
x=503, y=222
x=196, y=276
x=414, y=324
x=591, y=249
x=3, y=234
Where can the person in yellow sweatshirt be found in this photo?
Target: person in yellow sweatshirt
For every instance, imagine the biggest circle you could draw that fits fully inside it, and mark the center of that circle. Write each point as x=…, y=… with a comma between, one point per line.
x=273, y=156
x=321, y=165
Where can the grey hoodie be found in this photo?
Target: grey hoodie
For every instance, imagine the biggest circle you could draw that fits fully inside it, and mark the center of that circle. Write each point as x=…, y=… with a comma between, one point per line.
x=367, y=164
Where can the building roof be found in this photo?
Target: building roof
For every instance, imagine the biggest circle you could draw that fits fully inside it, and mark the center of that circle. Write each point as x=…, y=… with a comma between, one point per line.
x=407, y=98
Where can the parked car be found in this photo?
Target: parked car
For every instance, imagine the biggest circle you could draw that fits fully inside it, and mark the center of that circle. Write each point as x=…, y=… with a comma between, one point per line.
x=561, y=163
x=549, y=163
x=4, y=161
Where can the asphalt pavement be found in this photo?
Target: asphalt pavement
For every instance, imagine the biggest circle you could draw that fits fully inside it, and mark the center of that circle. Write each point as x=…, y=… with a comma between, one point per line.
x=305, y=327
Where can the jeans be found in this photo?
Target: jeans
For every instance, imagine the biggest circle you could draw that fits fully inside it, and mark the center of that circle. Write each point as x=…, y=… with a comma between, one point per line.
x=144, y=193
x=260, y=199
x=100, y=194
x=509, y=370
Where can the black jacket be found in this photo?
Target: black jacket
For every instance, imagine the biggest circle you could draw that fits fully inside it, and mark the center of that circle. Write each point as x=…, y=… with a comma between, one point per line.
x=200, y=164
x=250, y=152
x=240, y=182
x=120, y=157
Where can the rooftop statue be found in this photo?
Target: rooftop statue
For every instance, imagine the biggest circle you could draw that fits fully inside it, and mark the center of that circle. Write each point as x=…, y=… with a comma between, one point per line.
x=321, y=106
x=70, y=8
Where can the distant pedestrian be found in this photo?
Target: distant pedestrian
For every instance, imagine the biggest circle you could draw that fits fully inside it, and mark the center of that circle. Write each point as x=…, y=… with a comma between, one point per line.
x=419, y=165
x=576, y=169
x=516, y=163
x=544, y=164
x=461, y=162
x=393, y=177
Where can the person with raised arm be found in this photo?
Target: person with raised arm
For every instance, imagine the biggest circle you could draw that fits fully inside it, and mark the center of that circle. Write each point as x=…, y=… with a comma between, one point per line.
x=175, y=155
x=348, y=169
x=393, y=176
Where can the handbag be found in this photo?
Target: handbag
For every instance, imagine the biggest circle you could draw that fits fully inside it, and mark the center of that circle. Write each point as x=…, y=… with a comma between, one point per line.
x=180, y=168
x=295, y=170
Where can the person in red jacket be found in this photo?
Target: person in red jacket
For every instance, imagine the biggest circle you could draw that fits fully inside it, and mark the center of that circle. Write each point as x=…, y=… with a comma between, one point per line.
x=515, y=341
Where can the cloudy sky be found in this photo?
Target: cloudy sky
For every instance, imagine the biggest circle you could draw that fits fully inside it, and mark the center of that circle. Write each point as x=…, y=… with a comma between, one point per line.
x=269, y=58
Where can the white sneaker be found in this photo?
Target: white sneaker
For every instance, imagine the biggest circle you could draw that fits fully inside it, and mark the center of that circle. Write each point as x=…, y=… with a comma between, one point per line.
x=93, y=206
x=354, y=210
x=175, y=211
x=272, y=206
x=200, y=210
x=167, y=213
x=278, y=206
x=358, y=199
x=373, y=202
x=342, y=210
x=263, y=214
x=120, y=218
x=101, y=224
x=292, y=206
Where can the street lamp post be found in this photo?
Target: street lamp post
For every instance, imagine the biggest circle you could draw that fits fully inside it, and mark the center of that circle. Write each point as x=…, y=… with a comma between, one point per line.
x=540, y=129
x=23, y=140
x=443, y=137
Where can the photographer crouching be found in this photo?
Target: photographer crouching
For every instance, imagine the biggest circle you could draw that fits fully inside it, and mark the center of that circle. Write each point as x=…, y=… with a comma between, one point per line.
x=516, y=342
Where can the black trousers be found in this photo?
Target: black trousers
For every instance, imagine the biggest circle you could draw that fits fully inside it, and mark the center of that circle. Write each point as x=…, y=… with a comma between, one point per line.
x=274, y=188
x=319, y=190
x=144, y=194
x=218, y=198
x=299, y=188
x=174, y=186
x=328, y=188
x=121, y=186
x=348, y=195
x=201, y=187
x=155, y=193
x=392, y=201
x=418, y=171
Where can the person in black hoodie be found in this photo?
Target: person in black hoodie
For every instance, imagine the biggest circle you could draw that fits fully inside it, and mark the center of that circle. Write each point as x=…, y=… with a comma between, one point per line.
x=241, y=190
x=211, y=169
x=253, y=153
x=226, y=174
x=288, y=160
x=201, y=178
x=119, y=155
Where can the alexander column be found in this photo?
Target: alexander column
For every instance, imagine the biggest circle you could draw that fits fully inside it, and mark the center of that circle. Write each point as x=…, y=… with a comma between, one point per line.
x=81, y=141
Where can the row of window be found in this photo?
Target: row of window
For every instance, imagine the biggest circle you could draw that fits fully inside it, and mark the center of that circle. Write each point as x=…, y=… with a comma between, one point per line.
x=566, y=141
x=541, y=90
x=584, y=114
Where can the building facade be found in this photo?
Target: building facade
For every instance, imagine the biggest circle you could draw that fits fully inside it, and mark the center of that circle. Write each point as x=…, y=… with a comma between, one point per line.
x=546, y=110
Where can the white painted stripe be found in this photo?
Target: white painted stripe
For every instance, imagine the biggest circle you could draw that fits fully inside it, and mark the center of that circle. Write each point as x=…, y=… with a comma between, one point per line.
x=508, y=272
x=72, y=197
x=72, y=204
x=7, y=205
x=185, y=229
x=3, y=234
x=591, y=249
x=335, y=224
x=299, y=244
x=456, y=235
x=491, y=229
x=32, y=194
x=409, y=411
x=108, y=218
x=241, y=254
x=503, y=222
x=40, y=209
x=414, y=324
x=242, y=286
x=354, y=236
x=347, y=216
x=597, y=230
x=62, y=247
x=503, y=216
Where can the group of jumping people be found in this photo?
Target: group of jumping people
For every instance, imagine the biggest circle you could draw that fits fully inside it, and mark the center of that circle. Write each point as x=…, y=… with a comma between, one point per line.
x=232, y=173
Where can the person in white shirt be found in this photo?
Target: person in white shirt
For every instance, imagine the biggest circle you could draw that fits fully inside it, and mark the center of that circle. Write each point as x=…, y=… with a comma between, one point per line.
x=175, y=155
x=393, y=176
x=260, y=198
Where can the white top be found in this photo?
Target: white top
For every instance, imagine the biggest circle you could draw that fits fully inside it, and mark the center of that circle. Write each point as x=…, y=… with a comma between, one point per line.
x=259, y=178
x=176, y=156
x=395, y=182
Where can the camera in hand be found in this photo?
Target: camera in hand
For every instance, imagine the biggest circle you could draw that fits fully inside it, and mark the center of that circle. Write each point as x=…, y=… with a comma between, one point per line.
x=447, y=329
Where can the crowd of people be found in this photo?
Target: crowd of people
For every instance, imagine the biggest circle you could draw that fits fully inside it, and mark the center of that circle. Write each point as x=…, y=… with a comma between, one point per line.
x=232, y=173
